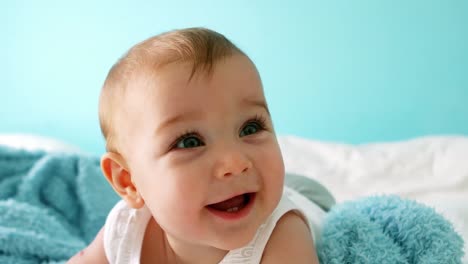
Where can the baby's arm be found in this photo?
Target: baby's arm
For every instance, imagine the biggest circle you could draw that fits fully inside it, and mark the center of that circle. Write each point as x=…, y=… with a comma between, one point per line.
x=94, y=253
x=290, y=242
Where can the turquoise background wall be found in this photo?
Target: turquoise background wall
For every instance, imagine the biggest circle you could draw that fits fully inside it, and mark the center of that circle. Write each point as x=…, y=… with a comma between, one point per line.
x=347, y=71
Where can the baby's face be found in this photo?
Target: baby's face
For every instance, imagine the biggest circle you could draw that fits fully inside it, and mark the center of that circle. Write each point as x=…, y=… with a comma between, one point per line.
x=192, y=145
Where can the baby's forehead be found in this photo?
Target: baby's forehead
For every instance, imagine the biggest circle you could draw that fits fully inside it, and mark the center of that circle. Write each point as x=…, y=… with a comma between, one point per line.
x=177, y=75
x=235, y=78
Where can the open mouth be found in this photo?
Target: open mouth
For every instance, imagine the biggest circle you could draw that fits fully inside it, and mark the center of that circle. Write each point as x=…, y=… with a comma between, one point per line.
x=233, y=208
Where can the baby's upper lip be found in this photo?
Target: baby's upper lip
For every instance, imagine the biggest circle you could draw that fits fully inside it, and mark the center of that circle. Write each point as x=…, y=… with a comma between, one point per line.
x=234, y=194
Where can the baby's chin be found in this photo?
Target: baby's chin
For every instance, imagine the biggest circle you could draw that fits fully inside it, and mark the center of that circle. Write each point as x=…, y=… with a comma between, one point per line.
x=238, y=240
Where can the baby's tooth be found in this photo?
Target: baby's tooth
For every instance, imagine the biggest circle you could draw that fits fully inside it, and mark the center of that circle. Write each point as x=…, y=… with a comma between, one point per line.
x=233, y=209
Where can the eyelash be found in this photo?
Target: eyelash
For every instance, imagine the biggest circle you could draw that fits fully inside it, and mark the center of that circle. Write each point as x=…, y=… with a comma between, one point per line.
x=183, y=136
x=259, y=119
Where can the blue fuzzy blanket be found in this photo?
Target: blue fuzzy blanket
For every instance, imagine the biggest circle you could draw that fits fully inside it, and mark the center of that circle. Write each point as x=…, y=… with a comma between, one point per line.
x=52, y=205
x=388, y=230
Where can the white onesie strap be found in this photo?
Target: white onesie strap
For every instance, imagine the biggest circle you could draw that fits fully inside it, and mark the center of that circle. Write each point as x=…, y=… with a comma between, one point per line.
x=121, y=244
x=252, y=253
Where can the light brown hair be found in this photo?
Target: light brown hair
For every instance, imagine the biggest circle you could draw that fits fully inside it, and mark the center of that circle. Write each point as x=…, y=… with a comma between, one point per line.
x=200, y=46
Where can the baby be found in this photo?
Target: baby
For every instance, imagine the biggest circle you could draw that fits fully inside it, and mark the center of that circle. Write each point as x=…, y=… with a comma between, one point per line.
x=192, y=151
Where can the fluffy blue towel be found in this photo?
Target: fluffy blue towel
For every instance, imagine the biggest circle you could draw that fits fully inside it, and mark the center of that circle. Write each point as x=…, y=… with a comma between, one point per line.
x=387, y=230
x=52, y=205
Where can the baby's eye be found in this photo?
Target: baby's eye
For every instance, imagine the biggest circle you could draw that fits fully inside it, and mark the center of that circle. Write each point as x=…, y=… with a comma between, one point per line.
x=189, y=142
x=251, y=128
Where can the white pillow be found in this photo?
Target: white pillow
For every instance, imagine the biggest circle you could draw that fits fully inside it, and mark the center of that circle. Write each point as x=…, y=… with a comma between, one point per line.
x=36, y=142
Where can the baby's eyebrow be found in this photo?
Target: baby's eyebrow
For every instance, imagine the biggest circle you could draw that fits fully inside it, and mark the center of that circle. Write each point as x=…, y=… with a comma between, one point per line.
x=256, y=102
x=178, y=118
x=191, y=115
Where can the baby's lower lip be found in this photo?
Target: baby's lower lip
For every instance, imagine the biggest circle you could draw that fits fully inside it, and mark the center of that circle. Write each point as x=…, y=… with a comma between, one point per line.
x=235, y=215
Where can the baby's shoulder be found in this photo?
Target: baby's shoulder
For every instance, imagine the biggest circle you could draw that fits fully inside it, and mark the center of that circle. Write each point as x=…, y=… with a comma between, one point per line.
x=290, y=242
x=94, y=253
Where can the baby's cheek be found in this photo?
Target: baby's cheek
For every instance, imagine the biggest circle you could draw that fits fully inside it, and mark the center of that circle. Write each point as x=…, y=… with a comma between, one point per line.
x=273, y=163
x=274, y=174
x=181, y=218
x=183, y=195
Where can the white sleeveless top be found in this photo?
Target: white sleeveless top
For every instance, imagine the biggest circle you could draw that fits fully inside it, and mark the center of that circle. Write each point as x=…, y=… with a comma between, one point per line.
x=125, y=229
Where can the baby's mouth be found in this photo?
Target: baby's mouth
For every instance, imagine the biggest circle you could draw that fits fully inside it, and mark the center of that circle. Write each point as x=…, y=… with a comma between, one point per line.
x=233, y=204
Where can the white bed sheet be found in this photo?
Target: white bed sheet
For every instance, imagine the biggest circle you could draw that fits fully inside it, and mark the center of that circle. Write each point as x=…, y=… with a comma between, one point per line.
x=431, y=170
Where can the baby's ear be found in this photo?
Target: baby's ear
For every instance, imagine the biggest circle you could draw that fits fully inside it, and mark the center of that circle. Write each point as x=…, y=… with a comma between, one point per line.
x=116, y=171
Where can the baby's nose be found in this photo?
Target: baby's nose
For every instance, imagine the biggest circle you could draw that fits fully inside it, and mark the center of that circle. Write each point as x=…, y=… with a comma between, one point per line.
x=232, y=162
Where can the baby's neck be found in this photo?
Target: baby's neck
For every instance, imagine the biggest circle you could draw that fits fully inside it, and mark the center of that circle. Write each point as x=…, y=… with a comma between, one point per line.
x=194, y=254
x=181, y=252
